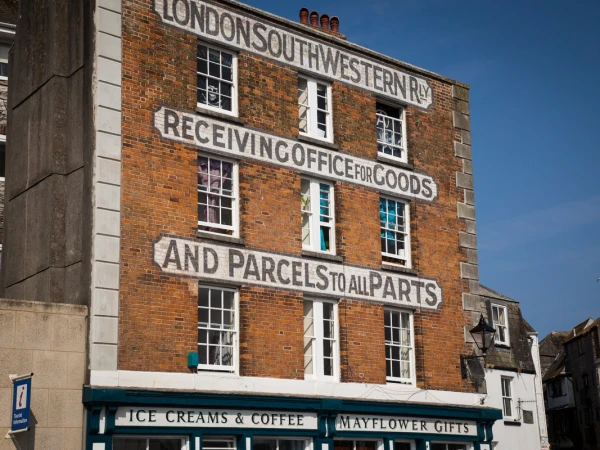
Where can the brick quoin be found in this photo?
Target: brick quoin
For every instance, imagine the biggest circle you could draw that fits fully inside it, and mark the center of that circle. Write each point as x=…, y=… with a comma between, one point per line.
x=158, y=313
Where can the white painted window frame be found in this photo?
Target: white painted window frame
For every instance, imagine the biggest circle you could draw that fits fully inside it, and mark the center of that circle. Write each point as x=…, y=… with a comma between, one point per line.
x=380, y=443
x=509, y=396
x=412, y=379
x=496, y=324
x=312, y=109
x=315, y=214
x=402, y=118
x=235, y=207
x=215, y=437
x=5, y=44
x=308, y=440
x=318, y=338
x=407, y=241
x=235, y=368
x=468, y=445
x=185, y=445
x=234, y=88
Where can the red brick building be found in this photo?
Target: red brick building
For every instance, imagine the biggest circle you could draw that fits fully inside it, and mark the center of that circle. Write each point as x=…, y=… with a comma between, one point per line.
x=273, y=228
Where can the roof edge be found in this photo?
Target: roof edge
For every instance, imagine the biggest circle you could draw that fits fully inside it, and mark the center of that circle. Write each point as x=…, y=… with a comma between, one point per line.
x=341, y=42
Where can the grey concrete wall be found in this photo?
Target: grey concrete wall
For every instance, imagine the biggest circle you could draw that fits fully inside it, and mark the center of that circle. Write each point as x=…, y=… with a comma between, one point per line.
x=47, y=229
x=50, y=341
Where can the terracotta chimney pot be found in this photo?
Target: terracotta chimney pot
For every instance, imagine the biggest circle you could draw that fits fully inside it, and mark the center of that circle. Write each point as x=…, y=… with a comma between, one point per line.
x=314, y=18
x=304, y=15
x=335, y=24
x=325, y=22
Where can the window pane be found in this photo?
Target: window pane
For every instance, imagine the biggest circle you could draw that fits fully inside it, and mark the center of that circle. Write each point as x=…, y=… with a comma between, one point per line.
x=165, y=444
x=129, y=444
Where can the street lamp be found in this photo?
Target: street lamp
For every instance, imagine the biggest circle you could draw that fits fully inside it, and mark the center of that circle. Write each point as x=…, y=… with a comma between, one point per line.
x=483, y=335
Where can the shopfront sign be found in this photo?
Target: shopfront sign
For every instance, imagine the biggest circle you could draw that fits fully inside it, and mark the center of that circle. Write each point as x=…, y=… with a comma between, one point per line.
x=248, y=33
x=234, y=265
x=244, y=142
x=127, y=416
x=394, y=424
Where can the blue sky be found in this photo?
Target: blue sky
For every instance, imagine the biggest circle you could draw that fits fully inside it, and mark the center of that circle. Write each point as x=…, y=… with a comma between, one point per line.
x=534, y=71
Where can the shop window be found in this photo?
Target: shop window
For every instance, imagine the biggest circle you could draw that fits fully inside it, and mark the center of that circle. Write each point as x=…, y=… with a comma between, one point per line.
x=217, y=328
x=217, y=196
x=218, y=443
x=507, y=400
x=391, y=131
x=448, y=446
x=318, y=221
x=395, y=233
x=500, y=323
x=217, y=78
x=404, y=445
x=398, y=345
x=142, y=443
x=320, y=340
x=314, y=109
x=4, y=49
x=281, y=444
x=355, y=445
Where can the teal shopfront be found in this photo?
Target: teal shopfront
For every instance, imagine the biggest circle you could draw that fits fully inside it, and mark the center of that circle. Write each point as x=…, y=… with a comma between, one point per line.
x=130, y=419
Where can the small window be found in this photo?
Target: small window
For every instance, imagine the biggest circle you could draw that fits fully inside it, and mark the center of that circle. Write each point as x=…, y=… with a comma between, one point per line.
x=557, y=388
x=4, y=49
x=314, y=109
x=500, y=323
x=318, y=221
x=153, y=443
x=343, y=444
x=217, y=196
x=586, y=381
x=217, y=78
x=398, y=346
x=217, y=329
x=280, y=444
x=449, y=446
x=391, y=131
x=507, y=401
x=320, y=340
x=580, y=345
x=395, y=235
x=217, y=443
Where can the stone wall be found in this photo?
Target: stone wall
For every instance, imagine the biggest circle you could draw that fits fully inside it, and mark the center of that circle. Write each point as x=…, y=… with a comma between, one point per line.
x=49, y=340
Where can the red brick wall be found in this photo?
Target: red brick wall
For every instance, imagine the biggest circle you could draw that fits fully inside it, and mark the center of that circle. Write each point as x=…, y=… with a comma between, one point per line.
x=158, y=322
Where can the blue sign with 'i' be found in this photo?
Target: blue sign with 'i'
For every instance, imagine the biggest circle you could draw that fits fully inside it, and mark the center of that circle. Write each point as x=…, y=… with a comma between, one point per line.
x=21, y=404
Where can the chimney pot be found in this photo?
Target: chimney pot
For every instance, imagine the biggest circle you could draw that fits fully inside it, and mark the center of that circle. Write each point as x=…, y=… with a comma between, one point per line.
x=304, y=15
x=325, y=22
x=314, y=18
x=335, y=24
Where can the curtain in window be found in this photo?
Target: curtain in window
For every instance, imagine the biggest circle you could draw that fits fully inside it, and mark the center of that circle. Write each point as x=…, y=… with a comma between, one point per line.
x=212, y=174
x=323, y=203
x=387, y=216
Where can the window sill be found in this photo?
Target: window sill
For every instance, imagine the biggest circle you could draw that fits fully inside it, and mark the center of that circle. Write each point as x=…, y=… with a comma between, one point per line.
x=319, y=255
x=218, y=115
x=504, y=346
x=219, y=237
x=315, y=141
x=512, y=423
x=395, y=162
x=395, y=268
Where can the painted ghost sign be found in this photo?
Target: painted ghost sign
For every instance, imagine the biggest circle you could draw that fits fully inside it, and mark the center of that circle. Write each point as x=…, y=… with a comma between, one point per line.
x=238, y=141
x=245, y=32
x=219, y=262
